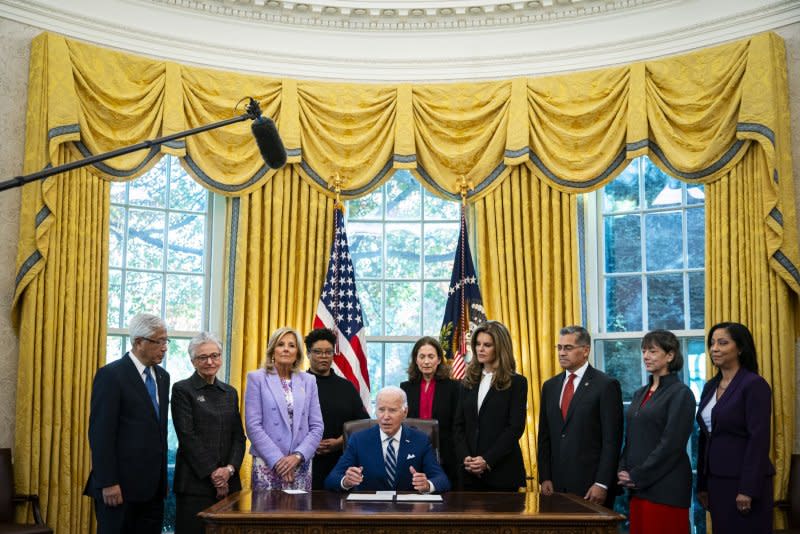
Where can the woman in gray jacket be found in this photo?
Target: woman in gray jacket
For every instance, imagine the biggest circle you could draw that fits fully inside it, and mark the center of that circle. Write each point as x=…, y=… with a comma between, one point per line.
x=654, y=466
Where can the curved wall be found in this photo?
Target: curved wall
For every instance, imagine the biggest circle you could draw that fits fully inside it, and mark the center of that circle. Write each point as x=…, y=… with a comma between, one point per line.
x=131, y=30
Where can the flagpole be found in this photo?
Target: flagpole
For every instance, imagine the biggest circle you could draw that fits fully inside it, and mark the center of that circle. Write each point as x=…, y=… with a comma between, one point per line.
x=464, y=187
x=335, y=184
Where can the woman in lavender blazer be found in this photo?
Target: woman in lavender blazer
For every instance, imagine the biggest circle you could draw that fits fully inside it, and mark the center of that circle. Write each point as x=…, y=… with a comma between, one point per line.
x=282, y=416
x=734, y=472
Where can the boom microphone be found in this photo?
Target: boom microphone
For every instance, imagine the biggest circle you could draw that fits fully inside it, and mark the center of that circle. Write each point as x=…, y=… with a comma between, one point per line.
x=269, y=142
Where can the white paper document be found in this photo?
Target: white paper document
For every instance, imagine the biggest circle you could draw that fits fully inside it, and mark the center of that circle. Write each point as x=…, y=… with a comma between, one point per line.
x=295, y=491
x=418, y=497
x=377, y=496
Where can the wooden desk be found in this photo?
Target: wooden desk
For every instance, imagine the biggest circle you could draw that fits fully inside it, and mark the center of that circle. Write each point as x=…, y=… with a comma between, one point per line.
x=322, y=512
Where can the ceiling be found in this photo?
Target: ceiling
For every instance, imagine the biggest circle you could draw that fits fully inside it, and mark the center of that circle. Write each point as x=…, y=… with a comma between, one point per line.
x=405, y=40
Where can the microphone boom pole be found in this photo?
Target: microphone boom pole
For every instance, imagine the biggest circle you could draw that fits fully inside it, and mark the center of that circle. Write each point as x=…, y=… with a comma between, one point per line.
x=253, y=113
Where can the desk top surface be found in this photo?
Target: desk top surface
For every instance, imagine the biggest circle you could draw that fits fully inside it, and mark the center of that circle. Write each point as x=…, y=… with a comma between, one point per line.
x=458, y=506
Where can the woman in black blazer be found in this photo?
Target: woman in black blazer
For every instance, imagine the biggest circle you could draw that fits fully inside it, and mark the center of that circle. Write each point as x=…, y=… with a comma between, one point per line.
x=654, y=466
x=490, y=418
x=432, y=395
x=211, y=442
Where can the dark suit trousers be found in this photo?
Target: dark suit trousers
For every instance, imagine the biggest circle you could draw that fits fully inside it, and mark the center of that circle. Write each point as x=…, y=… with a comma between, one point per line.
x=130, y=517
x=186, y=509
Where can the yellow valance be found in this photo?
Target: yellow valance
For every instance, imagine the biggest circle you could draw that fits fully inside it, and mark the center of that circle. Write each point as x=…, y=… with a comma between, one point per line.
x=694, y=115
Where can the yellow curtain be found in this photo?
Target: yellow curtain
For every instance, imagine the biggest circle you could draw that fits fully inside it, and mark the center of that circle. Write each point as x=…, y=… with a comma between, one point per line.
x=526, y=145
x=528, y=267
x=280, y=239
x=62, y=338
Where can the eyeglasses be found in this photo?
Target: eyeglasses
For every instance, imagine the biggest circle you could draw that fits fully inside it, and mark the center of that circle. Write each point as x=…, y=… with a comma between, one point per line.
x=568, y=348
x=317, y=352
x=206, y=357
x=162, y=342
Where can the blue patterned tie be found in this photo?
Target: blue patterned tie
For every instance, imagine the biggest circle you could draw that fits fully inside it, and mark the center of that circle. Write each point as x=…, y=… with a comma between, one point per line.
x=150, y=384
x=391, y=462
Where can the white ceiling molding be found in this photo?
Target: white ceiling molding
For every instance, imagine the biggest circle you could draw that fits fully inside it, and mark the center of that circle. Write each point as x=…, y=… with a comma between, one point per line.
x=407, y=15
x=185, y=31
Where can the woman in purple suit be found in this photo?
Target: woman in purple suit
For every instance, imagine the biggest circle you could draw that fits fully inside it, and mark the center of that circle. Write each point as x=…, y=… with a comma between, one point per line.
x=282, y=416
x=734, y=472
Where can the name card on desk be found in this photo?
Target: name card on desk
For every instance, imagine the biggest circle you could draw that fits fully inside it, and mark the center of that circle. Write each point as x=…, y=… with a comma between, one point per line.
x=377, y=496
x=419, y=497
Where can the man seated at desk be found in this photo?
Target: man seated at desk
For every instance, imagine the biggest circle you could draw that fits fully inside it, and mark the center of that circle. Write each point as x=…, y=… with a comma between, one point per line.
x=390, y=456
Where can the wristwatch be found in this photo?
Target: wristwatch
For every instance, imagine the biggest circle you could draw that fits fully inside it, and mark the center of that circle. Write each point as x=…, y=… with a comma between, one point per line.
x=299, y=456
x=231, y=469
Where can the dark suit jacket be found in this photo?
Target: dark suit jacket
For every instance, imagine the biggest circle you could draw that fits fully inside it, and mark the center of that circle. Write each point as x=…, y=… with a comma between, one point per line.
x=364, y=449
x=445, y=403
x=128, y=441
x=655, y=443
x=584, y=449
x=493, y=433
x=738, y=445
x=210, y=434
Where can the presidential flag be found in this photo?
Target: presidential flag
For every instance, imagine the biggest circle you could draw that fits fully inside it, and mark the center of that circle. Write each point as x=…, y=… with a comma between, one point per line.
x=340, y=310
x=464, y=311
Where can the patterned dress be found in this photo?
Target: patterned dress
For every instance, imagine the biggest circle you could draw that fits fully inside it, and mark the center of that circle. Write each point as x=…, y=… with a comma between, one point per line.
x=265, y=477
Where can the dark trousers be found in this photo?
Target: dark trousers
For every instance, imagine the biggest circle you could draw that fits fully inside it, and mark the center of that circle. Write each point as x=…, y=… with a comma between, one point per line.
x=130, y=517
x=186, y=509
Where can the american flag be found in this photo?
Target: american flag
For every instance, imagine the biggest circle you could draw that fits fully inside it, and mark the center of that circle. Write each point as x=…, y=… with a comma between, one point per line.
x=339, y=310
x=464, y=311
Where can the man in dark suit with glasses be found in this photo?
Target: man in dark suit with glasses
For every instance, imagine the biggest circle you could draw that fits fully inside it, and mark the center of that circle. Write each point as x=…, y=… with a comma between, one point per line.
x=128, y=434
x=580, y=425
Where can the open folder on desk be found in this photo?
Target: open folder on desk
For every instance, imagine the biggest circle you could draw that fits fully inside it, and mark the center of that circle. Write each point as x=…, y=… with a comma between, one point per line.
x=377, y=496
x=419, y=497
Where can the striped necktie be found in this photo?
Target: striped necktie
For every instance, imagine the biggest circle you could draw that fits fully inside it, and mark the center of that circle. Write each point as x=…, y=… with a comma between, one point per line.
x=390, y=461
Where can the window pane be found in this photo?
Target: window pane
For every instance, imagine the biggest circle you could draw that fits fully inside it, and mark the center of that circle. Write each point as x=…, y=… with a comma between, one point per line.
x=145, y=239
x=366, y=248
x=697, y=291
x=433, y=312
x=622, y=194
x=665, y=302
x=624, y=304
x=149, y=189
x=696, y=236
x=184, y=192
x=142, y=294
x=396, y=363
x=622, y=240
x=116, y=234
x=118, y=192
x=660, y=189
x=441, y=240
x=403, y=197
x=403, y=309
x=695, y=365
x=369, y=293
x=115, y=298
x=177, y=361
x=186, y=239
x=695, y=194
x=439, y=209
x=663, y=241
x=368, y=207
x=622, y=359
x=375, y=366
x=403, y=248
x=115, y=348
x=185, y=302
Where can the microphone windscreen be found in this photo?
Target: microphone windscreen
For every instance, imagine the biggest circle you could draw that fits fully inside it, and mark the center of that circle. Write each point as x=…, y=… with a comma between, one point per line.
x=269, y=142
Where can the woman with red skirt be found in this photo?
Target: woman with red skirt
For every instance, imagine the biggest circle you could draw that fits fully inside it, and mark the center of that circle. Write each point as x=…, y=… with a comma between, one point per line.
x=654, y=466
